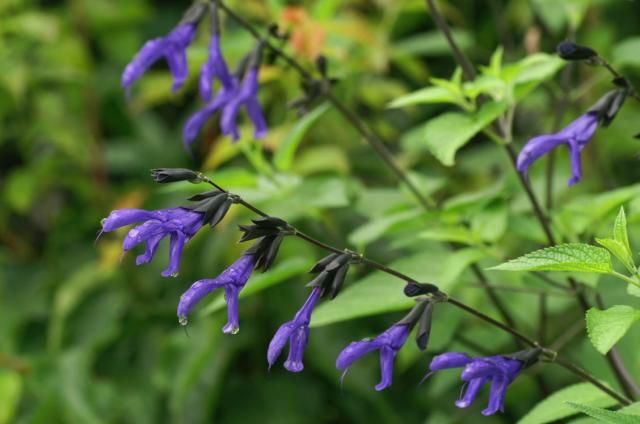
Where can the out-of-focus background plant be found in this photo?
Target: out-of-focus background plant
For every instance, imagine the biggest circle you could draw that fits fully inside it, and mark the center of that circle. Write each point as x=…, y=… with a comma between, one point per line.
x=86, y=336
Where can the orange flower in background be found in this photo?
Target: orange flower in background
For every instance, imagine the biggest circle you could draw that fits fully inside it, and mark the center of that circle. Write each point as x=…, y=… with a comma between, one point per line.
x=307, y=36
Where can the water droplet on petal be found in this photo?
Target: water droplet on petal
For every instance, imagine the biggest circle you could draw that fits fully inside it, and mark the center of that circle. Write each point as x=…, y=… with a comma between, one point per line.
x=102, y=221
x=183, y=320
x=235, y=330
x=174, y=274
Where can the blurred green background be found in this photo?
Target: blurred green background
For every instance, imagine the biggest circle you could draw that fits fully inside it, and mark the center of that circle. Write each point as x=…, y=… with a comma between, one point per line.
x=88, y=337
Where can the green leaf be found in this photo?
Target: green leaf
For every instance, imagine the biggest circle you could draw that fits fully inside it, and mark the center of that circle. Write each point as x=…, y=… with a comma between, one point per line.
x=604, y=415
x=457, y=234
x=10, y=392
x=283, y=158
x=425, y=95
x=576, y=257
x=447, y=133
x=282, y=271
x=619, y=251
x=376, y=228
x=555, y=406
x=626, y=52
x=633, y=290
x=431, y=43
x=620, y=232
x=606, y=327
x=379, y=293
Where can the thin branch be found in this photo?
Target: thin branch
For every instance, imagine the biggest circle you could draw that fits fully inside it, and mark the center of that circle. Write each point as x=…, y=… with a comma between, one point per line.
x=614, y=360
x=570, y=366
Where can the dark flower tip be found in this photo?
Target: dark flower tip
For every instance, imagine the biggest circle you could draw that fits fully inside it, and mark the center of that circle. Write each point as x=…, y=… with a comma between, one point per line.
x=416, y=289
x=171, y=175
x=572, y=51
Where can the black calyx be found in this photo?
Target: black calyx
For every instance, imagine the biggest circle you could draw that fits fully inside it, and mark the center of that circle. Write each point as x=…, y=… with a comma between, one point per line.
x=609, y=105
x=572, y=51
x=414, y=289
x=421, y=314
x=214, y=204
x=527, y=356
x=194, y=13
x=172, y=175
x=271, y=231
x=265, y=226
x=331, y=271
x=265, y=250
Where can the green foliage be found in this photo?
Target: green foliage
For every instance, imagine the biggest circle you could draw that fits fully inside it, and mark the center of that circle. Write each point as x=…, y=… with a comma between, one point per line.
x=576, y=257
x=556, y=406
x=604, y=415
x=606, y=327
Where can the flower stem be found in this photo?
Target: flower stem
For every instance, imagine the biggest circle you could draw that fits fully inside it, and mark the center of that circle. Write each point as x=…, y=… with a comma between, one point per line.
x=570, y=366
x=613, y=358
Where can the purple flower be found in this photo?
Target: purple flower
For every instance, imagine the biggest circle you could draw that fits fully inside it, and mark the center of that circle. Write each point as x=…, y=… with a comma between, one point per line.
x=197, y=120
x=296, y=332
x=179, y=223
x=232, y=280
x=576, y=136
x=388, y=343
x=500, y=371
x=215, y=67
x=246, y=96
x=171, y=47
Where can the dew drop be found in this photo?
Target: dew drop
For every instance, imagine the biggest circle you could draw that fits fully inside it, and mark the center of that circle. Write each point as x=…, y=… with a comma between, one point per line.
x=235, y=330
x=174, y=274
x=183, y=320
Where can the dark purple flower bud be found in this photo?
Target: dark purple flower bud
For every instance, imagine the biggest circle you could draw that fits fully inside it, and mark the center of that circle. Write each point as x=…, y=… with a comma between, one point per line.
x=179, y=223
x=572, y=51
x=171, y=175
x=232, y=280
x=271, y=231
x=416, y=289
x=499, y=370
x=296, y=333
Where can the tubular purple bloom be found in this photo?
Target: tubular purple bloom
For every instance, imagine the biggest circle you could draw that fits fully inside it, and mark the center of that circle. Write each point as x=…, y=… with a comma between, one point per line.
x=499, y=370
x=214, y=67
x=171, y=47
x=388, y=343
x=198, y=119
x=576, y=136
x=246, y=96
x=296, y=332
x=232, y=280
x=179, y=223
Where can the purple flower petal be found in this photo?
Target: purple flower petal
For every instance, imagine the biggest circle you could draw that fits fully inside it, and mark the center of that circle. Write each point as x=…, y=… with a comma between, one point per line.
x=231, y=293
x=194, y=294
x=472, y=391
x=355, y=351
x=279, y=341
x=121, y=217
x=449, y=360
x=497, y=394
x=214, y=67
x=178, y=240
x=297, y=343
x=387, y=360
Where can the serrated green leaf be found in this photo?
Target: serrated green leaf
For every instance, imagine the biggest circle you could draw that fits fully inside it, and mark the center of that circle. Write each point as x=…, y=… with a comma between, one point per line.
x=604, y=415
x=447, y=133
x=283, y=158
x=576, y=257
x=619, y=251
x=606, y=327
x=380, y=293
x=555, y=406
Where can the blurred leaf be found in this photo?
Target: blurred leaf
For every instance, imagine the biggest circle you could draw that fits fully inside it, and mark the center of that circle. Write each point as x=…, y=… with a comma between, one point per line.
x=447, y=133
x=10, y=393
x=432, y=43
x=626, y=52
x=457, y=234
x=604, y=415
x=284, y=156
x=376, y=228
x=425, y=95
x=555, y=406
x=576, y=257
x=606, y=327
